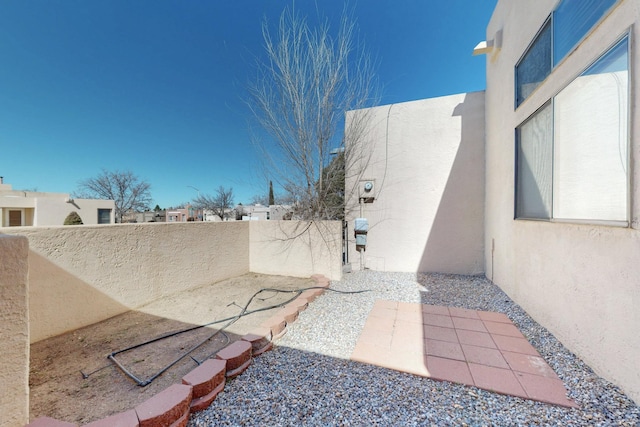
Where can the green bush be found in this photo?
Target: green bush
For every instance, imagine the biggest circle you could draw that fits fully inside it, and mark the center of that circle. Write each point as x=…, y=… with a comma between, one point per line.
x=73, y=219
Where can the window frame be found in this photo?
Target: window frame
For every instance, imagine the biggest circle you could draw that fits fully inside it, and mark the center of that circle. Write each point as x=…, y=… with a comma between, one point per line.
x=550, y=20
x=551, y=102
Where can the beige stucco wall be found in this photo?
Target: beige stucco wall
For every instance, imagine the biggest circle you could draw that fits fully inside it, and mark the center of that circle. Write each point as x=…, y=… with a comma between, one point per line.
x=96, y=272
x=296, y=248
x=14, y=333
x=578, y=281
x=53, y=211
x=427, y=165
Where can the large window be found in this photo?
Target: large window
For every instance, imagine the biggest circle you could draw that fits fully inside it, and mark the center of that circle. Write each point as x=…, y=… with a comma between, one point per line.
x=572, y=158
x=568, y=24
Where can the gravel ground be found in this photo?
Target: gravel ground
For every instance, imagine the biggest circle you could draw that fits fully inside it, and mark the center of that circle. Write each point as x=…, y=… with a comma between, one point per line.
x=308, y=380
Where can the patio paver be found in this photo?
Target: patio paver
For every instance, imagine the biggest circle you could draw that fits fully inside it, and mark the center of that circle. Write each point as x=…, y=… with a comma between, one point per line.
x=477, y=348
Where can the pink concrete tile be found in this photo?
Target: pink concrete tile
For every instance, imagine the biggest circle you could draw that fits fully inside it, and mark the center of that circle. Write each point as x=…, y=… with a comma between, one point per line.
x=463, y=312
x=480, y=339
x=381, y=324
x=514, y=344
x=367, y=352
x=550, y=390
x=412, y=363
x=449, y=370
x=502, y=329
x=401, y=343
x=381, y=303
x=376, y=338
x=384, y=359
x=448, y=350
x=437, y=320
x=484, y=356
x=494, y=317
x=410, y=306
x=526, y=363
x=409, y=316
x=409, y=329
x=435, y=309
x=496, y=379
x=439, y=333
x=384, y=313
x=468, y=324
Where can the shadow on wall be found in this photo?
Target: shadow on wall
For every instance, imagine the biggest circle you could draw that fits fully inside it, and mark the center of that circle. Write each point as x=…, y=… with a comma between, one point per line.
x=60, y=301
x=456, y=237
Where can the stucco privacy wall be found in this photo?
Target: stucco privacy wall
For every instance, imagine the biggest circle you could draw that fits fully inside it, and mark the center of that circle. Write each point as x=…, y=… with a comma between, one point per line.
x=14, y=333
x=296, y=248
x=427, y=165
x=578, y=281
x=96, y=272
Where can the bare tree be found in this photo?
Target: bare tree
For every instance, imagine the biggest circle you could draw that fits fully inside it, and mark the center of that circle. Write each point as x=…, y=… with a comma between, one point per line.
x=220, y=203
x=128, y=191
x=300, y=97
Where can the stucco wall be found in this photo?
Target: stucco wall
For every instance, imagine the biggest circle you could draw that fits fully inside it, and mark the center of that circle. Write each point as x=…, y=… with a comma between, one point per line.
x=14, y=333
x=427, y=165
x=299, y=249
x=96, y=272
x=579, y=281
x=53, y=211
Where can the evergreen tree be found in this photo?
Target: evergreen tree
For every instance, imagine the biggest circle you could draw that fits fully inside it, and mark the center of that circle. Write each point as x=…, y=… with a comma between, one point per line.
x=271, y=198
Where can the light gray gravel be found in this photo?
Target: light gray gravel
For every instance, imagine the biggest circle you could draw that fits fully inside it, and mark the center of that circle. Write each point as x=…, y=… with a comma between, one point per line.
x=308, y=380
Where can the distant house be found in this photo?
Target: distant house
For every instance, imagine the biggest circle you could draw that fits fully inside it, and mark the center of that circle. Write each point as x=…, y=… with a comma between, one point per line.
x=262, y=212
x=31, y=208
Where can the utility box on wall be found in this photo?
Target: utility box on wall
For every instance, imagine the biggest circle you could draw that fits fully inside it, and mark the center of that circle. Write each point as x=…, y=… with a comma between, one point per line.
x=367, y=190
x=361, y=228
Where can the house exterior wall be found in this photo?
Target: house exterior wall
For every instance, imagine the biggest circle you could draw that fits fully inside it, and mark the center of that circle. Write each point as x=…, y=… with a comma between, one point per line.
x=427, y=165
x=49, y=209
x=579, y=281
x=14, y=333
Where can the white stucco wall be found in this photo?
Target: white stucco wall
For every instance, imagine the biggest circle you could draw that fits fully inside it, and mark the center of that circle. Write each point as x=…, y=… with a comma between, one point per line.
x=427, y=165
x=14, y=332
x=578, y=281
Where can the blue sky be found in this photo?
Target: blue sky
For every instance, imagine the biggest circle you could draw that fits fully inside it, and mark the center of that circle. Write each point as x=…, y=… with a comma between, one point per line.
x=157, y=87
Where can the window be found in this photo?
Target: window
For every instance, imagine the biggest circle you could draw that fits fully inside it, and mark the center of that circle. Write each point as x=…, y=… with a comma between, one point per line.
x=572, y=20
x=104, y=216
x=535, y=65
x=572, y=154
x=534, y=166
x=562, y=31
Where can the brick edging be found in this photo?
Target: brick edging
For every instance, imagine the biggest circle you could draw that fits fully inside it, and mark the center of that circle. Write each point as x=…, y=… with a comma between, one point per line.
x=171, y=407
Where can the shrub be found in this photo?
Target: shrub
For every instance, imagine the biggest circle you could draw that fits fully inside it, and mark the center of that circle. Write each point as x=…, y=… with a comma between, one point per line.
x=73, y=219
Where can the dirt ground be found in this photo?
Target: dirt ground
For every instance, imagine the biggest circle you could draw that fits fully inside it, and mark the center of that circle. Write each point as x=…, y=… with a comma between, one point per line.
x=71, y=378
